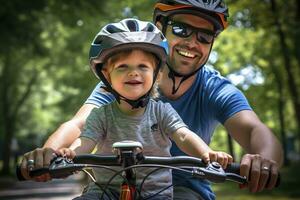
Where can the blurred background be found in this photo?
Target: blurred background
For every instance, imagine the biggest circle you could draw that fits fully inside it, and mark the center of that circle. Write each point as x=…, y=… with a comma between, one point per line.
x=45, y=76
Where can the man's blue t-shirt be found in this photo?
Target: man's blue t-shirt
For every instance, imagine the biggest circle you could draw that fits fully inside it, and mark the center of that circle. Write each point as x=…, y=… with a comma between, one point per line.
x=211, y=100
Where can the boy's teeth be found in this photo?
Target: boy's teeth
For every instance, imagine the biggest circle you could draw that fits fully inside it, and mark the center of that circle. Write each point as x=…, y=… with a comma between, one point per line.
x=187, y=54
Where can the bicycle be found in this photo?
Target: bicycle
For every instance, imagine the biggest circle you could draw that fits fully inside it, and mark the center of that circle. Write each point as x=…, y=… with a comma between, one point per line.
x=129, y=155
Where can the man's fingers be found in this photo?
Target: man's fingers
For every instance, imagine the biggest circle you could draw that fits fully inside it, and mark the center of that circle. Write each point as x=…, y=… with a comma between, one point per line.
x=255, y=173
x=264, y=175
x=35, y=159
x=245, y=166
x=30, y=162
x=38, y=158
x=273, y=177
x=23, y=166
x=49, y=154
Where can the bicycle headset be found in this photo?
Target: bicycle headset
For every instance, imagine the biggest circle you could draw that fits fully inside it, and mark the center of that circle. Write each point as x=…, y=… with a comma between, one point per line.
x=215, y=11
x=126, y=35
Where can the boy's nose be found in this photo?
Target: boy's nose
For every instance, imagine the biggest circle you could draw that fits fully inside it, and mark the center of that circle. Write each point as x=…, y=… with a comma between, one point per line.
x=133, y=72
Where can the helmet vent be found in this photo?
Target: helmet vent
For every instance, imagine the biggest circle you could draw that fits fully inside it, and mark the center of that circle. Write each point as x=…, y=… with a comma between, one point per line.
x=132, y=25
x=113, y=29
x=149, y=28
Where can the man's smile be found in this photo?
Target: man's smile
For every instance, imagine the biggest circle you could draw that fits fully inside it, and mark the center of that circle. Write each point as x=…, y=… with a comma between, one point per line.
x=186, y=53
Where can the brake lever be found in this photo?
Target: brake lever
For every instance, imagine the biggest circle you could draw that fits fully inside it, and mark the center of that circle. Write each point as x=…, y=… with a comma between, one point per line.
x=62, y=167
x=211, y=172
x=216, y=174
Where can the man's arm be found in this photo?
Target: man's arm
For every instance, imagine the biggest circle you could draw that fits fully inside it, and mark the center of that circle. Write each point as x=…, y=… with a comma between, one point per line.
x=64, y=136
x=80, y=146
x=263, y=148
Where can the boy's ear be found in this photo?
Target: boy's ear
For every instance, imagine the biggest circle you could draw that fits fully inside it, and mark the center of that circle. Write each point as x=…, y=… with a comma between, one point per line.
x=106, y=74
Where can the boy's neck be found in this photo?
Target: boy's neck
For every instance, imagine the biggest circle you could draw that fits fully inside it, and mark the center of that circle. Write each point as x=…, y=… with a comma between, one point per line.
x=126, y=108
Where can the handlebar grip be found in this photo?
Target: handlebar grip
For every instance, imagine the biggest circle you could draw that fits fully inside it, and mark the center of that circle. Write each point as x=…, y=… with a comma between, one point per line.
x=33, y=173
x=39, y=171
x=233, y=168
x=278, y=180
x=19, y=174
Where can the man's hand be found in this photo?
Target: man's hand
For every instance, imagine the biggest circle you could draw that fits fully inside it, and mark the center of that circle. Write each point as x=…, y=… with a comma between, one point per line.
x=37, y=158
x=260, y=172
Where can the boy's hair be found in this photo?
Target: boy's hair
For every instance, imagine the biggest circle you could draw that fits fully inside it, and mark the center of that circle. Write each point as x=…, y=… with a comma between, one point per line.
x=120, y=55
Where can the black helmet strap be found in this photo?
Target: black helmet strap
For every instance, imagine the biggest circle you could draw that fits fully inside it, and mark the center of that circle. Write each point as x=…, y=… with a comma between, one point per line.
x=172, y=74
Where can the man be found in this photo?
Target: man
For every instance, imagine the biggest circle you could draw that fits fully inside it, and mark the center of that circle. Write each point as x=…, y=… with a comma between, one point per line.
x=201, y=96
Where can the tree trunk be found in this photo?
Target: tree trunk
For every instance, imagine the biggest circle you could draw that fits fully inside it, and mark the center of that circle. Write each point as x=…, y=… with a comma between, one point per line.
x=296, y=33
x=10, y=110
x=281, y=105
x=6, y=152
x=287, y=64
x=6, y=117
x=230, y=146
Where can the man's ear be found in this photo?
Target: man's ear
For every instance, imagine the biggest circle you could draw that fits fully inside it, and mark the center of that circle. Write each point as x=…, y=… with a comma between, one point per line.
x=158, y=25
x=159, y=76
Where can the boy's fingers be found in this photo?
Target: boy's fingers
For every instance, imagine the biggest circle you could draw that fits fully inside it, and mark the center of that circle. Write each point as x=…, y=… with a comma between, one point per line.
x=225, y=162
x=220, y=159
x=213, y=157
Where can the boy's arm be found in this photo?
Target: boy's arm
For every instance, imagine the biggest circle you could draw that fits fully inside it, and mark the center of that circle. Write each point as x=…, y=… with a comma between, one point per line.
x=190, y=143
x=193, y=145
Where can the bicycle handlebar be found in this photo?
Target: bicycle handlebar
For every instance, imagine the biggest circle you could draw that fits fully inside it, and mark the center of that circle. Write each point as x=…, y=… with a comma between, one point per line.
x=62, y=167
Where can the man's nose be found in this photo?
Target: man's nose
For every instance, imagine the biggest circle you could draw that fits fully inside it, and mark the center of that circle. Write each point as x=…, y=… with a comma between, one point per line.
x=192, y=40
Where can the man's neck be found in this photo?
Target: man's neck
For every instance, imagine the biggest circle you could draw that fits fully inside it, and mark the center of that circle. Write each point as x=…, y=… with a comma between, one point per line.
x=166, y=85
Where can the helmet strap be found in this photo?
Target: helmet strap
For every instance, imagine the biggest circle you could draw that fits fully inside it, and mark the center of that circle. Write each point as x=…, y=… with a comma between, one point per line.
x=164, y=23
x=172, y=73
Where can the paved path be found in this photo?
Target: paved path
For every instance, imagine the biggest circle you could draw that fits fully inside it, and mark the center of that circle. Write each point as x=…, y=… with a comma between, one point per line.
x=29, y=190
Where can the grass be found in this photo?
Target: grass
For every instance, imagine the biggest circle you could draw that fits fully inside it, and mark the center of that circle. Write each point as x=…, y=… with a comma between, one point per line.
x=289, y=188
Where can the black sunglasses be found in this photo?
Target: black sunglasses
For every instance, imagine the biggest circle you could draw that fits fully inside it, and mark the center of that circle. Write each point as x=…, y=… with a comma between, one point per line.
x=183, y=30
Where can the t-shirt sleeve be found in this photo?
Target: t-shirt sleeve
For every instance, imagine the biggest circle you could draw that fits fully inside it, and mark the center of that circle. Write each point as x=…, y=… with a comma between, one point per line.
x=170, y=119
x=94, y=126
x=228, y=100
x=98, y=97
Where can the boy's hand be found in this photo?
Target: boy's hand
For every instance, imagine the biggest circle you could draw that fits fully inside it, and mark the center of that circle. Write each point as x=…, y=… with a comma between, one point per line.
x=66, y=152
x=218, y=156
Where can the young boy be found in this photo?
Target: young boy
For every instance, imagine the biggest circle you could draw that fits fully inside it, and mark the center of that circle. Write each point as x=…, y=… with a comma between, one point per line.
x=127, y=56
